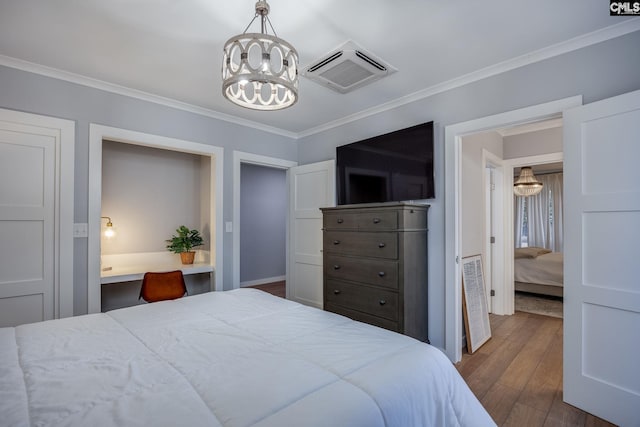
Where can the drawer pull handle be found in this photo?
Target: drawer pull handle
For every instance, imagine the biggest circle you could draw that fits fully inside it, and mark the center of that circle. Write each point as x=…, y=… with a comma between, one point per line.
x=381, y=245
x=336, y=267
x=381, y=273
x=340, y=220
x=382, y=302
x=336, y=291
x=336, y=242
x=376, y=220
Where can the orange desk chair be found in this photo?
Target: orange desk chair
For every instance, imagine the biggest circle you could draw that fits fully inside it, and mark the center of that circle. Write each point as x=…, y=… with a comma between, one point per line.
x=162, y=286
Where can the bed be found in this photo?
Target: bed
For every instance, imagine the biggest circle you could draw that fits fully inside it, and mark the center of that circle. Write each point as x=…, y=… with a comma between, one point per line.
x=233, y=358
x=539, y=271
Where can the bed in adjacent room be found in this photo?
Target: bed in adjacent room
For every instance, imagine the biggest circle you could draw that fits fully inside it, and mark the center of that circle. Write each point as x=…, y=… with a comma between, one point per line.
x=539, y=271
x=234, y=358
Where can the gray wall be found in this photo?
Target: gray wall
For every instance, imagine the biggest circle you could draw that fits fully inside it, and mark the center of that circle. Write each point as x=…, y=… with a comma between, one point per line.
x=23, y=91
x=596, y=72
x=148, y=193
x=263, y=222
x=533, y=143
x=473, y=209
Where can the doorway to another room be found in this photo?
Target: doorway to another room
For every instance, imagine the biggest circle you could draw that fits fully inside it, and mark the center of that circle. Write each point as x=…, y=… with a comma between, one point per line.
x=263, y=219
x=259, y=226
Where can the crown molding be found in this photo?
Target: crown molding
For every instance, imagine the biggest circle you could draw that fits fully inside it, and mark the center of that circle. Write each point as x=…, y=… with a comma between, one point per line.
x=530, y=127
x=607, y=33
x=604, y=34
x=137, y=94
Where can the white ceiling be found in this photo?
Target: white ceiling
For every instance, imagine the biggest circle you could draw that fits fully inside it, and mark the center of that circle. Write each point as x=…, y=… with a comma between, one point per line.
x=170, y=51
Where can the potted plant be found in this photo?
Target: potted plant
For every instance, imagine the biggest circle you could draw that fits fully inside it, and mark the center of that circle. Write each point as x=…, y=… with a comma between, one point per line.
x=184, y=242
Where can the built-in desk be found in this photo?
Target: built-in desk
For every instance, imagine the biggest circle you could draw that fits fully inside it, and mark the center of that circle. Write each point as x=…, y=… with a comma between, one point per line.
x=130, y=267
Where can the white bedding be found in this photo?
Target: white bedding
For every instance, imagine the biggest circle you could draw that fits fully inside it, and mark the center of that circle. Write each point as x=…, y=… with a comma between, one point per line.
x=235, y=358
x=544, y=269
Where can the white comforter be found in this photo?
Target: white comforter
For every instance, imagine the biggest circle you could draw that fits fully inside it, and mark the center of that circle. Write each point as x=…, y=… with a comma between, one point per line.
x=236, y=358
x=546, y=269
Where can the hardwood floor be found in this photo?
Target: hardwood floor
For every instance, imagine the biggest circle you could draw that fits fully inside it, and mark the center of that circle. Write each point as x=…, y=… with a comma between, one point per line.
x=276, y=288
x=517, y=374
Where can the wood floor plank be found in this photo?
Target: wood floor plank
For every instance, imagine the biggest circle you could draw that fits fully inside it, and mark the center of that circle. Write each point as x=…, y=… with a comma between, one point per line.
x=521, y=369
x=546, y=380
x=539, y=401
x=564, y=413
x=525, y=416
x=499, y=401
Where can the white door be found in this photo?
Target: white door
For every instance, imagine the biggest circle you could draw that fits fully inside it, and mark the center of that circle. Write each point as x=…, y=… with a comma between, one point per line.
x=489, y=237
x=311, y=187
x=32, y=219
x=602, y=236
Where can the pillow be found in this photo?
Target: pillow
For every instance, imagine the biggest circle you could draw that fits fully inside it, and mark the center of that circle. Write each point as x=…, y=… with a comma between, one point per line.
x=531, y=252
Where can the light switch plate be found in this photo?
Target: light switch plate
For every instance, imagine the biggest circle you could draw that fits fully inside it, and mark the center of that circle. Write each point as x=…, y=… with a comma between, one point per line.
x=80, y=229
x=228, y=226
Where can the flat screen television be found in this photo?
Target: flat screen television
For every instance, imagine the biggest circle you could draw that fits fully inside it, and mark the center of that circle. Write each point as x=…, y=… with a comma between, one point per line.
x=396, y=166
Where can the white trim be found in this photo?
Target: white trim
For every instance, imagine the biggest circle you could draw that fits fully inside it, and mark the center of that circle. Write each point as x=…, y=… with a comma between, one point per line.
x=96, y=135
x=64, y=133
x=453, y=136
x=262, y=281
x=255, y=159
x=585, y=40
x=491, y=160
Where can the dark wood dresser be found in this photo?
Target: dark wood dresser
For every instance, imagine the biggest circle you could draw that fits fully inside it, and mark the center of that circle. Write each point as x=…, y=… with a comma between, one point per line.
x=375, y=265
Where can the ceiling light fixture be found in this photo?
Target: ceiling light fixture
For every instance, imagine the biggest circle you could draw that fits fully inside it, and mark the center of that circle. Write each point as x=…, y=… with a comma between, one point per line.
x=260, y=71
x=527, y=185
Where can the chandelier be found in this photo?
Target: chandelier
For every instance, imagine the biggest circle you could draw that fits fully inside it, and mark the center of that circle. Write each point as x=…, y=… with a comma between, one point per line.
x=527, y=184
x=260, y=71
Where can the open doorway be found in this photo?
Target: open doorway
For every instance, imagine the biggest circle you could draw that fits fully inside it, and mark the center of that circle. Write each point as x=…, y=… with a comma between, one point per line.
x=263, y=216
x=520, y=368
x=260, y=207
x=453, y=160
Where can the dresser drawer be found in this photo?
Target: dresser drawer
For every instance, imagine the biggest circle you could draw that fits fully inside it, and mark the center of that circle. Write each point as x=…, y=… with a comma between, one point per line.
x=376, y=272
x=373, y=221
x=380, y=245
x=376, y=302
x=363, y=317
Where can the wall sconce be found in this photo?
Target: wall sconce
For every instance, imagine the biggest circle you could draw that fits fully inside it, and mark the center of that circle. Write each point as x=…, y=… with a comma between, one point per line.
x=109, y=232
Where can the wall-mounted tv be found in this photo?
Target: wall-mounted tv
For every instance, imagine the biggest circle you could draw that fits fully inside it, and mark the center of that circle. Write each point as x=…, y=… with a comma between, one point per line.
x=395, y=166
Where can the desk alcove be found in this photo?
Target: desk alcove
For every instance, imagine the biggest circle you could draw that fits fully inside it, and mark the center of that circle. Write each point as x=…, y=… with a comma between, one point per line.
x=122, y=277
x=148, y=192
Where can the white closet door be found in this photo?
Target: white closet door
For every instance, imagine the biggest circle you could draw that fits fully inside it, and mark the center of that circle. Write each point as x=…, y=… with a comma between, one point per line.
x=36, y=218
x=602, y=233
x=311, y=187
x=27, y=179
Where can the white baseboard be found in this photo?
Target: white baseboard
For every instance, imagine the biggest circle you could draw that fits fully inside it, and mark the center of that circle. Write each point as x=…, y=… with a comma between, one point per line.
x=262, y=281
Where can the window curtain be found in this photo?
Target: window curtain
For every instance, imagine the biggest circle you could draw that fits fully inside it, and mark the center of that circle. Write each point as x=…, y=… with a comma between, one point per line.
x=544, y=214
x=519, y=216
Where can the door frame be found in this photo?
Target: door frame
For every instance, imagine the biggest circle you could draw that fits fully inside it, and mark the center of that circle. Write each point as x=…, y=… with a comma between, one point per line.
x=64, y=132
x=453, y=169
x=240, y=157
x=97, y=133
x=494, y=207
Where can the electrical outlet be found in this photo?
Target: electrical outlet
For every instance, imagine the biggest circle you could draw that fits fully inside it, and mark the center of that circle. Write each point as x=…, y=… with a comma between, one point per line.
x=228, y=227
x=80, y=230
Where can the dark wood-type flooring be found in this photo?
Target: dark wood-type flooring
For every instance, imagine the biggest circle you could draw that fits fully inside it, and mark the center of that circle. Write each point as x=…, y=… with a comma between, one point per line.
x=276, y=288
x=517, y=374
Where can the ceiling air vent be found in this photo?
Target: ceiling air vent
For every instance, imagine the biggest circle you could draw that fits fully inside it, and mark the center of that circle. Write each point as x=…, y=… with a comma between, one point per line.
x=347, y=68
